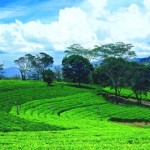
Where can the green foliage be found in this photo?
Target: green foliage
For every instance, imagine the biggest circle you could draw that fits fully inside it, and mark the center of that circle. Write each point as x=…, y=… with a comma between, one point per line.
x=58, y=73
x=99, y=77
x=13, y=91
x=40, y=63
x=77, y=69
x=77, y=49
x=49, y=76
x=24, y=64
x=34, y=65
x=117, y=50
x=138, y=79
x=113, y=73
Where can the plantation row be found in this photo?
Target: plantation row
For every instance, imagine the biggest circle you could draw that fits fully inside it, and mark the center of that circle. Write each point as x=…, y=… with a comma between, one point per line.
x=49, y=110
x=80, y=106
x=18, y=96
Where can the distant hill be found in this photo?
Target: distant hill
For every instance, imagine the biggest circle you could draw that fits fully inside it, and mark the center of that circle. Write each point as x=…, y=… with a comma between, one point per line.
x=145, y=60
x=14, y=71
x=135, y=59
x=11, y=72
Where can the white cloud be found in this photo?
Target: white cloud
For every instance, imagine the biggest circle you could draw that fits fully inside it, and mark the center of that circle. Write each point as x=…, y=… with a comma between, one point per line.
x=147, y=4
x=128, y=24
x=72, y=27
x=12, y=39
x=88, y=27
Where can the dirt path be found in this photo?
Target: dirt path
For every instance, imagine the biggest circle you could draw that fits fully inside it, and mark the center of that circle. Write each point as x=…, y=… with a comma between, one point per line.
x=125, y=100
x=137, y=124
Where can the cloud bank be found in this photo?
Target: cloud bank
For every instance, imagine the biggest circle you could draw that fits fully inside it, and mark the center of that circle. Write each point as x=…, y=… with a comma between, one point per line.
x=89, y=24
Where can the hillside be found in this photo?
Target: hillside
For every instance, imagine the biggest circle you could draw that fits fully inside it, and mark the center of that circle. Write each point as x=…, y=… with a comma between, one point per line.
x=65, y=116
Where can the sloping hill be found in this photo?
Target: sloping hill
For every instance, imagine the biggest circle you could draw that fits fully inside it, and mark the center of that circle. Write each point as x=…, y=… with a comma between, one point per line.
x=65, y=116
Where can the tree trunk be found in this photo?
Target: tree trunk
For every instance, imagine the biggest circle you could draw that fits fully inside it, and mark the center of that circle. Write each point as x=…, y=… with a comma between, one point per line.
x=138, y=99
x=79, y=80
x=23, y=77
x=116, y=94
x=79, y=83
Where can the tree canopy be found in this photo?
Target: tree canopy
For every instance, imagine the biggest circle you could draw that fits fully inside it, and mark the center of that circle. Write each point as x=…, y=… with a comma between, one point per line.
x=34, y=65
x=117, y=50
x=77, y=49
x=138, y=79
x=112, y=73
x=49, y=76
x=41, y=62
x=24, y=64
x=77, y=69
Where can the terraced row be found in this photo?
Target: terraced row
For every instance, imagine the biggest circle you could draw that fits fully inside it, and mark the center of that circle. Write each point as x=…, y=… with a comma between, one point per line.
x=79, y=107
x=49, y=110
x=110, y=111
x=34, y=91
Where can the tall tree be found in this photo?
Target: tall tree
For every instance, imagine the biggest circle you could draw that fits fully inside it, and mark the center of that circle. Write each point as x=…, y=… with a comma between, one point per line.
x=139, y=79
x=114, y=64
x=77, y=69
x=113, y=70
x=117, y=50
x=77, y=49
x=24, y=64
x=41, y=62
x=1, y=70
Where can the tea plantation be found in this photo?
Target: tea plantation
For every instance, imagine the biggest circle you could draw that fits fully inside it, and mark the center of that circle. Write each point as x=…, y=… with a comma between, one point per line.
x=64, y=116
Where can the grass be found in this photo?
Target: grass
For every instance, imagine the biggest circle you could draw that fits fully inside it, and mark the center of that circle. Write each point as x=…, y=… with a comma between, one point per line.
x=64, y=116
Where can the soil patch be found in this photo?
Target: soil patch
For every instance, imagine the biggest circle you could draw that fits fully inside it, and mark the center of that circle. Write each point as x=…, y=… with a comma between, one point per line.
x=112, y=98
x=137, y=124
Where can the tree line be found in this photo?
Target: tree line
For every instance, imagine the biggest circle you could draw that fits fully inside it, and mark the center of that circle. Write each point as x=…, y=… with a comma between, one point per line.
x=115, y=69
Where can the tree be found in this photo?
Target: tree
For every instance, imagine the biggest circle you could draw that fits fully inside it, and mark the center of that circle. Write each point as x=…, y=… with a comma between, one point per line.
x=1, y=71
x=99, y=77
x=77, y=69
x=41, y=62
x=117, y=50
x=77, y=49
x=24, y=64
x=113, y=73
x=58, y=73
x=139, y=79
x=49, y=76
x=114, y=64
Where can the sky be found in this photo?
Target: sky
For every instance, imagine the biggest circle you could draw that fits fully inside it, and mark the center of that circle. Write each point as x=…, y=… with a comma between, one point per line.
x=33, y=26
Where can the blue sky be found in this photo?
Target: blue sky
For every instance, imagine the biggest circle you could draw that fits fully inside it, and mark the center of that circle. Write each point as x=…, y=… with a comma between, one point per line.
x=27, y=10
x=32, y=26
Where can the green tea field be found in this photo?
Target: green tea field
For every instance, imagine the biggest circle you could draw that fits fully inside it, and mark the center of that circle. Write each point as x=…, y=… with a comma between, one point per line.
x=63, y=116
